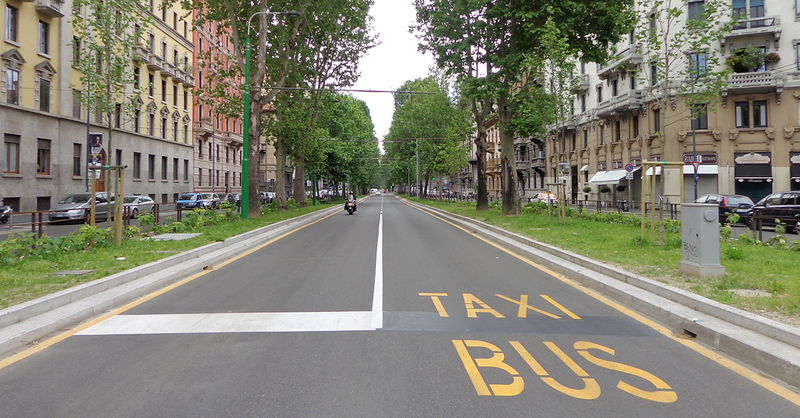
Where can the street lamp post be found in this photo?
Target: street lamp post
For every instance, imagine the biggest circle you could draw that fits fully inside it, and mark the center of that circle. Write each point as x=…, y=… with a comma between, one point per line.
x=246, y=130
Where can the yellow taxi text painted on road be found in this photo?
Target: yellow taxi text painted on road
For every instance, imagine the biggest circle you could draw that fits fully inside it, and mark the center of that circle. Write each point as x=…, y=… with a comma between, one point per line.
x=475, y=306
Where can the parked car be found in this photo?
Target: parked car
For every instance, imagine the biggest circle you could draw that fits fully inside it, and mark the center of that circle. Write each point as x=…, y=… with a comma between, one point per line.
x=189, y=201
x=234, y=198
x=728, y=204
x=784, y=206
x=209, y=200
x=138, y=204
x=266, y=197
x=545, y=197
x=77, y=206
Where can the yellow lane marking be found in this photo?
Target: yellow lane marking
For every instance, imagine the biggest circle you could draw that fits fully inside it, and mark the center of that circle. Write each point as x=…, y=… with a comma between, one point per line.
x=560, y=307
x=523, y=307
x=64, y=335
x=737, y=368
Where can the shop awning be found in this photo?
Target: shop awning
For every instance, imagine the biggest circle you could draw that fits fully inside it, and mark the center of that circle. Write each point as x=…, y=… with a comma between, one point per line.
x=702, y=169
x=607, y=177
x=585, y=168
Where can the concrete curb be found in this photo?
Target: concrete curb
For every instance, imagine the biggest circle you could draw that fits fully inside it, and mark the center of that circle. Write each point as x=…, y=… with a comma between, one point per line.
x=25, y=323
x=760, y=342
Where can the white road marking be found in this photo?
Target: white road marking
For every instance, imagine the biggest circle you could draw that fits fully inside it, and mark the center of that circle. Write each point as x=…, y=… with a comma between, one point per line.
x=377, y=295
x=251, y=322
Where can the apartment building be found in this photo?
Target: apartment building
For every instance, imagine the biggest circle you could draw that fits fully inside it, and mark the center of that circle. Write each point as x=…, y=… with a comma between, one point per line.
x=218, y=138
x=44, y=124
x=748, y=144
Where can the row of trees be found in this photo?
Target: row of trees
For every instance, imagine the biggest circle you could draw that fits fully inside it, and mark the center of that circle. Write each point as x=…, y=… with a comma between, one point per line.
x=515, y=60
x=428, y=134
x=298, y=59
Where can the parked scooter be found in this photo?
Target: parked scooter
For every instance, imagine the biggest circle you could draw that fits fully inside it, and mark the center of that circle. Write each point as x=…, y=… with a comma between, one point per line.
x=5, y=214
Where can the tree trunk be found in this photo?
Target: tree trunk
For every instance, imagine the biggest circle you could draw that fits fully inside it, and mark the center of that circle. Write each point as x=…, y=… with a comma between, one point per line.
x=508, y=164
x=482, y=199
x=299, y=183
x=280, y=175
x=254, y=204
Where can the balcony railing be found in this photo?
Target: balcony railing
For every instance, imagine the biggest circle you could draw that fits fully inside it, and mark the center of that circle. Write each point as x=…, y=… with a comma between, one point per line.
x=189, y=81
x=51, y=8
x=169, y=69
x=754, y=27
x=764, y=81
x=140, y=53
x=627, y=101
x=155, y=62
x=627, y=58
x=581, y=82
x=605, y=108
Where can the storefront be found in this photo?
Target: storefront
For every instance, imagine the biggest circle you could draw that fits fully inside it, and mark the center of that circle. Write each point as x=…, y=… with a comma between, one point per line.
x=706, y=176
x=794, y=170
x=753, y=174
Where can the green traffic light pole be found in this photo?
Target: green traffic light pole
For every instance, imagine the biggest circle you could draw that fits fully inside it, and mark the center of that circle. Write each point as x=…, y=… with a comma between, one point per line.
x=246, y=133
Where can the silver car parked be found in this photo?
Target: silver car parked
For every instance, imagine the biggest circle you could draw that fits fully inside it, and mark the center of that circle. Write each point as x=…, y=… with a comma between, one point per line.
x=77, y=206
x=209, y=200
x=138, y=204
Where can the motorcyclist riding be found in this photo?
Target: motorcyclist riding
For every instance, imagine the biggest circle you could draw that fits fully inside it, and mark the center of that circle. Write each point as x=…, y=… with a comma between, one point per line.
x=351, y=198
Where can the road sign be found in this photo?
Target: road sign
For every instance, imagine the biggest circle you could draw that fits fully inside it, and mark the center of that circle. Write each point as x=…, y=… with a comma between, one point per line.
x=696, y=165
x=629, y=168
x=629, y=176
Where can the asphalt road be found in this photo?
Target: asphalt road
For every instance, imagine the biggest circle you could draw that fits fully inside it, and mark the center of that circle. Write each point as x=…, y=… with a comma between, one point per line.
x=389, y=312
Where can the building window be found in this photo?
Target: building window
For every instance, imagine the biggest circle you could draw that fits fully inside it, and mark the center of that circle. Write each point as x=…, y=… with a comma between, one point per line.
x=164, y=163
x=657, y=120
x=43, y=156
x=210, y=154
x=760, y=114
x=163, y=91
x=617, y=130
x=137, y=165
x=185, y=133
x=76, y=50
x=185, y=170
x=164, y=51
x=44, y=37
x=700, y=119
x=653, y=75
x=175, y=169
x=602, y=133
x=615, y=87
x=12, y=86
x=151, y=79
x=164, y=127
x=185, y=100
x=151, y=126
x=136, y=78
x=12, y=23
x=151, y=43
x=635, y=124
x=174, y=21
x=44, y=95
x=633, y=80
x=742, y=114
x=175, y=95
x=217, y=152
x=117, y=115
x=77, y=152
x=199, y=176
x=586, y=138
x=151, y=167
x=175, y=129
x=118, y=153
x=11, y=153
x=200, y=150
x=185, y=27
x=696, y=10
x=698, y=64
x=797, y=52
x=137, y=114
x=76, y=104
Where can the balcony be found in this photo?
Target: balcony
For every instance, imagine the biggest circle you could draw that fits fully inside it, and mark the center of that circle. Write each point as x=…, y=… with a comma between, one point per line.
x=605, y=109
x=538, y=159
x=169, y=69
x=180, y=75
x=203, y=126
x=581, y=82
x=760, y=82
x=627, y=101
x=189, y=81
x=140, y=53
x=621, y=62
x=51, y=8
x=155, y=62
x=759, y=26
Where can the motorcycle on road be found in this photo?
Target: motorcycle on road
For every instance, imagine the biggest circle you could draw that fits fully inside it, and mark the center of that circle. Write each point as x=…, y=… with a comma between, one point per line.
x=350, y=207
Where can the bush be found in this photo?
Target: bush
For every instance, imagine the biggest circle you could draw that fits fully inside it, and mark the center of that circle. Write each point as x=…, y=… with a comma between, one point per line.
x=733, y=253
x=604, y=189
x=620, y=187
x=587, y=189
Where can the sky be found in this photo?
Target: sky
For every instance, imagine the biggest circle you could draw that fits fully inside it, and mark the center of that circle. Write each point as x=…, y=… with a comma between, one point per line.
x=391, y=63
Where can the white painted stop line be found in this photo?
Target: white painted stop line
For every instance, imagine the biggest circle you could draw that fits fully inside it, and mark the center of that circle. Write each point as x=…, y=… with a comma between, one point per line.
x=203, y=323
